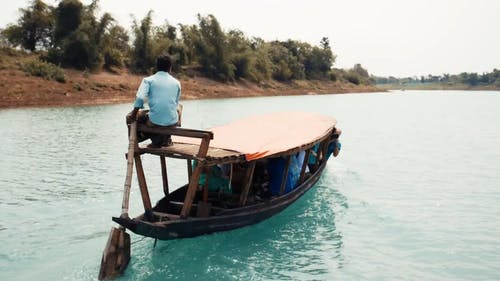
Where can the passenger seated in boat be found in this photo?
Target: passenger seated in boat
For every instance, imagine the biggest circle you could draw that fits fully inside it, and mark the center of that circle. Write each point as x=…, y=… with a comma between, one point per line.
x=260, y=183
x=301, y=158
x=162, y=92
x=218, y=181
x=336, y=144
x=333, y=149
x=276, y=168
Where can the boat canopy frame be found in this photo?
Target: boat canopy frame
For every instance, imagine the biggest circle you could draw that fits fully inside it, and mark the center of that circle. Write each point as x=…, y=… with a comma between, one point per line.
x=206, y=156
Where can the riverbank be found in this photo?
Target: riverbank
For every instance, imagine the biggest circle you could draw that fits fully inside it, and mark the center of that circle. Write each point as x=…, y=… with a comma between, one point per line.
x=18, y=89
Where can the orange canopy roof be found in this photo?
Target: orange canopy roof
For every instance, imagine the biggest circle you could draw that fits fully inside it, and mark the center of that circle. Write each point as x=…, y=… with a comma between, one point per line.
x=263, y=135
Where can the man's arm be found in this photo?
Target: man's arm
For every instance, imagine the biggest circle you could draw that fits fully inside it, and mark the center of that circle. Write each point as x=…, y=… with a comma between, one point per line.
x=179, y=93
x=179, y=106
x=142, y=93
x=132, y=115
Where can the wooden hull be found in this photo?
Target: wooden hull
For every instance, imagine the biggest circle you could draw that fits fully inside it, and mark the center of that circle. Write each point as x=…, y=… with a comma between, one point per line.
x=226, y=220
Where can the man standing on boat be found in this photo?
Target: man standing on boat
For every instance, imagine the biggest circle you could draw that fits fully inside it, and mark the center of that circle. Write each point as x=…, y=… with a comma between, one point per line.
x=162, y=91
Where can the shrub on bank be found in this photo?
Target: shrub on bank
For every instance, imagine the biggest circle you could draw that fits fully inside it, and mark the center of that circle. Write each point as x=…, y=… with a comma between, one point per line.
x=45, y=70
x=352, y=78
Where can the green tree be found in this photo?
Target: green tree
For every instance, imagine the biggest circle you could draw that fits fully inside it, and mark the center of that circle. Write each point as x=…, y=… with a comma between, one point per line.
x=319, y=60
x=152, y=41
x=297, y=53
x=212, y=49
x=287, y=60
x=12, y=35
x=313, y=61
x=473, y=79
x=69, y=15
x=263, y=65
x=67, y=49
x=353, y=77
x=447, y=78
x=358, y=68
x=116, y=47
x=190, y=36
x=241, y=55
x=33, y=29
x=83, y=41
x=358, y=75
x=280, y=57
x=142, y=57
x=165, y=41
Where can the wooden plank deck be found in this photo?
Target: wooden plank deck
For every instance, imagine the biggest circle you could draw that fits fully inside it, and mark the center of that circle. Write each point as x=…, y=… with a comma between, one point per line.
x=190, y=151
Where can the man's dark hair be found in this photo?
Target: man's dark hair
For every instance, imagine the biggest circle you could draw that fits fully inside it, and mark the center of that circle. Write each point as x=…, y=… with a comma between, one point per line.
x=164, y=63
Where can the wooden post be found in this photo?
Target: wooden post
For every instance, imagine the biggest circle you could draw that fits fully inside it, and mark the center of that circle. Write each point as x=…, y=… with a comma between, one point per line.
x=285, y=174
x=207, y=182
x=325, y=148
x=164, y=175
x=203, y=208
x=304, y=165
x=248, y=180
x=193, y=181
x=190, y=168
x=142, y=184
x=319, y=155
x=231, y=175
x=326, y=144
x=202, y=152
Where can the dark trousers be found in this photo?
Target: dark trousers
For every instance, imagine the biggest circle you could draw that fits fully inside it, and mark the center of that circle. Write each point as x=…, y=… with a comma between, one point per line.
x=157, y=140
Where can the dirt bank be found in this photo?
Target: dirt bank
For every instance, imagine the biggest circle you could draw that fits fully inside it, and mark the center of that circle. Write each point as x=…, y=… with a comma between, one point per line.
x=17, y=89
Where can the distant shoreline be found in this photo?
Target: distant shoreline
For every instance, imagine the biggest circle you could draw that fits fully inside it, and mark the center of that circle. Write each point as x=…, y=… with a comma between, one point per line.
x=438, y=86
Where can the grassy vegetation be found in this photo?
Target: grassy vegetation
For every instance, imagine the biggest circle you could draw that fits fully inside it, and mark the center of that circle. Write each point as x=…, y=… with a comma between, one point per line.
x=49, y=71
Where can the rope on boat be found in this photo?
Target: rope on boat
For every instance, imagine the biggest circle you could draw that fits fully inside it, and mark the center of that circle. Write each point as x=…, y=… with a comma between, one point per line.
x=138, y=240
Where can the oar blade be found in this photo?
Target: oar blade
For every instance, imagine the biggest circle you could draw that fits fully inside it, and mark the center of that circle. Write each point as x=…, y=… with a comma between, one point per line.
x=116, y=255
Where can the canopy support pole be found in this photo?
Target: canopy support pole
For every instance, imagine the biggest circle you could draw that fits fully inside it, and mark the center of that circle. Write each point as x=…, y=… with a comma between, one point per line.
x=193, y=184
x=207, y=182
x=204, y=207
x=304, y=166
x=285, y=174
x=319, y=155
x=248, y=180
x=190, y=168
x=193, y=180
x=143, y=186
x=164, y=174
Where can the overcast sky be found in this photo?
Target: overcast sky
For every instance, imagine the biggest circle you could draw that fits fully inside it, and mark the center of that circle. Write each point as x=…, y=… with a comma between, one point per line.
x=388, y=37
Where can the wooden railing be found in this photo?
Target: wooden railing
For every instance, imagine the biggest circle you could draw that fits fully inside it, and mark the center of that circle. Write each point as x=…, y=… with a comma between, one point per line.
x=176, y=131
x=205, y=137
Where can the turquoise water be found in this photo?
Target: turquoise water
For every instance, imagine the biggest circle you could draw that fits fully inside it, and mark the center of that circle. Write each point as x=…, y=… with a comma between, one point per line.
x=414, y=194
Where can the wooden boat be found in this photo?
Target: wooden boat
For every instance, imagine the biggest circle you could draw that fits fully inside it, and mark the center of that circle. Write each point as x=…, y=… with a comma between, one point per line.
x=247, y=149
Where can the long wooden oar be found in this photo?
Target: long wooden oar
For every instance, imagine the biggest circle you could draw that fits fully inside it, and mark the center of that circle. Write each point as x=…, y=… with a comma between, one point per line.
x=116, y=255
x=130, y=166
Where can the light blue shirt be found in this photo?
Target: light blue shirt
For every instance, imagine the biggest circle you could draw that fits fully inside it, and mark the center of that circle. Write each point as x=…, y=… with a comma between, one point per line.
x=163, y=92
